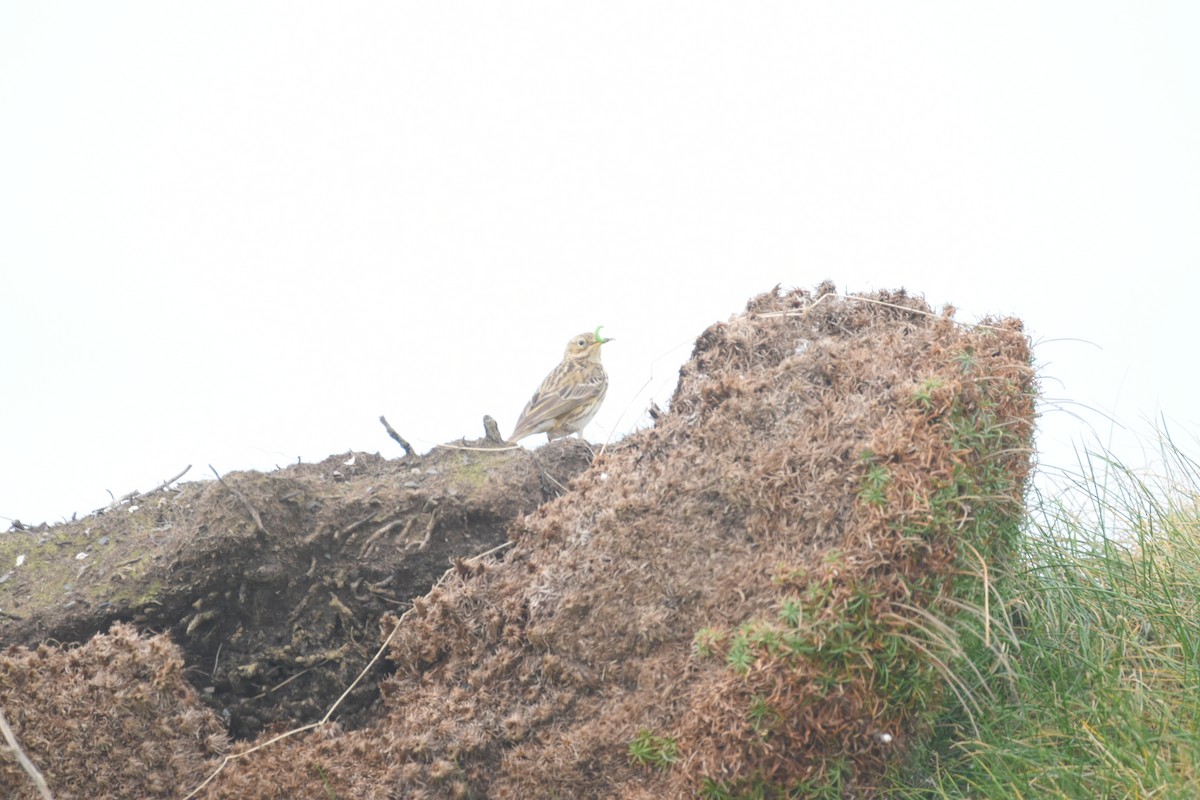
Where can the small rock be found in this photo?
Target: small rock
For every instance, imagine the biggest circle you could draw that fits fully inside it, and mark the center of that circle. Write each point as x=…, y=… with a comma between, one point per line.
x=80, y=556
x=103, y=540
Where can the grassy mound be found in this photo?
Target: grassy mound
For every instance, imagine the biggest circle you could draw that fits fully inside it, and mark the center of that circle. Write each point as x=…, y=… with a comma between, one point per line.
x=745, y=601
x=761, y=596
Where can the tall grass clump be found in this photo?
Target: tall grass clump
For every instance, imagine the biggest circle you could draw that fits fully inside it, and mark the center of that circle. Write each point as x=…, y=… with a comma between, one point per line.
x=1089, y=656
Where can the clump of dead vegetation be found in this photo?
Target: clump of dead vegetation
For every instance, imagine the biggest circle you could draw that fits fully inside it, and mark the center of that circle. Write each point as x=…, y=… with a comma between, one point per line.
x=746, y=600
x=112, y=718
x=273, y=583
x=743, y=601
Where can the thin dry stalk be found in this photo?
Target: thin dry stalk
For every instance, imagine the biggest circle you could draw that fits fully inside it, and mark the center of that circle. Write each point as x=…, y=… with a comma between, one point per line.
x=30, y=769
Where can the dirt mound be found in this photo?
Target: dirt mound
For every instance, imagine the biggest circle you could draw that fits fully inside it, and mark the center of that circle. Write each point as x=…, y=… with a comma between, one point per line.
x=273, y=584
x=745, y=600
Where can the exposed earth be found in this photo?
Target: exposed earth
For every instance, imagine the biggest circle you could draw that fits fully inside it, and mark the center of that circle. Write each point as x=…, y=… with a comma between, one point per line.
x=273, y=584
x=733, y=602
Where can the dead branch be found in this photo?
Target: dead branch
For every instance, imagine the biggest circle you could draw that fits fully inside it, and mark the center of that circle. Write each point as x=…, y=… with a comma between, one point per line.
x=166, y=483
x=408, y=449
x=116, y=501
x=249, y=508
x=26, y=764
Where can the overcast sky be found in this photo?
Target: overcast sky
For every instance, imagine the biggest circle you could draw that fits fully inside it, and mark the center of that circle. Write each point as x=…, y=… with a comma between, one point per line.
x=237, y=233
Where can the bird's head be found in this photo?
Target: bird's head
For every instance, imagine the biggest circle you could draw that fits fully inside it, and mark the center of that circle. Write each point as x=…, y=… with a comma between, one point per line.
x=586, y=345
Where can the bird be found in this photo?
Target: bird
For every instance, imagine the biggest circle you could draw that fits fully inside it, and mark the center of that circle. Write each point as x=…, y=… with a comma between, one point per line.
x=570, y=395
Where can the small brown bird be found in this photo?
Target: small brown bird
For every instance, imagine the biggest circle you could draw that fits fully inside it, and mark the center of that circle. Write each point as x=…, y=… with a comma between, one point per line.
x=570, y=395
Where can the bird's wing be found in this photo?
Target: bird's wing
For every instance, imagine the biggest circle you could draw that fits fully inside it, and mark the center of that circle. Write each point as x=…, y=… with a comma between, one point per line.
x=562, y=392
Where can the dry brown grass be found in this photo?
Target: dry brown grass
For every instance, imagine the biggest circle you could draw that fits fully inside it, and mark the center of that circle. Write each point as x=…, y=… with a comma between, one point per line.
x=112, y=718
x=531, y=677
x=757, y=579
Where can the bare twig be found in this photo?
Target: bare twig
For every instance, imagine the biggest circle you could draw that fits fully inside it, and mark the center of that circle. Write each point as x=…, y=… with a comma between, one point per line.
x=26, y=764
x=229, y=758
x=249, y=508
x=408, y=449
x=116, y=501
x=378, y=653
x=478, y=556
x=478, y=449
x=167, y=482
x=284, y=682
x=551, y=478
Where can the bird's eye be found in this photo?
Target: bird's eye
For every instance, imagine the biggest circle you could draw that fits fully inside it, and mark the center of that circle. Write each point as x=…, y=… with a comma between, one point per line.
x=580, y=342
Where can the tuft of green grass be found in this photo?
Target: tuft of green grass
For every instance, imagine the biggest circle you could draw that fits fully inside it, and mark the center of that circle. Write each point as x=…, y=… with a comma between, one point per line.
x=648, y=750
x=875, y=481
x=923, y=394
x=967, y=360
x=791, y=612
x=762, y=716
x=1087, y=657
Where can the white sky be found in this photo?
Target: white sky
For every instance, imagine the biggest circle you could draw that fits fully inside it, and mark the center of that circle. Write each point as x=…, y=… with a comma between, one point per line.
x=236, y=233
